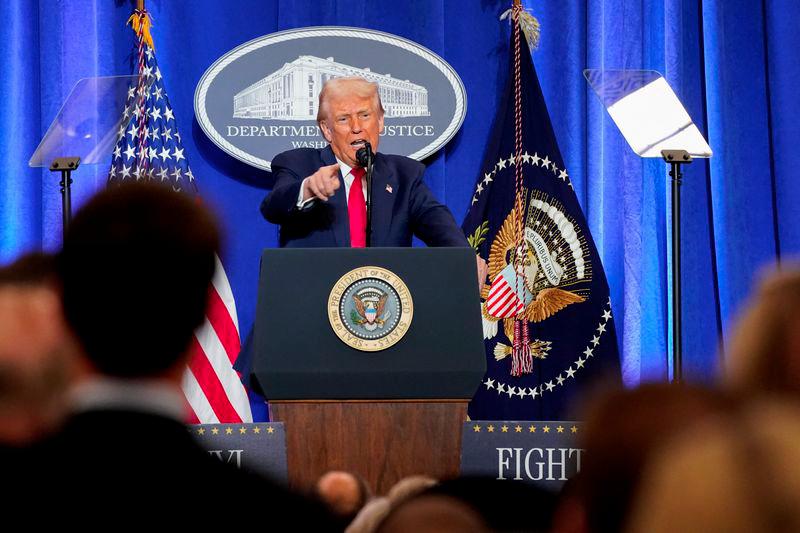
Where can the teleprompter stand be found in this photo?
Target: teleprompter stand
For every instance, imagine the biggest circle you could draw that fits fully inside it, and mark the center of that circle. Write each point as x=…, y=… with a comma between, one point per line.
x=84, y=131
x=676, y=158
x=653, y=121
x=66, y=165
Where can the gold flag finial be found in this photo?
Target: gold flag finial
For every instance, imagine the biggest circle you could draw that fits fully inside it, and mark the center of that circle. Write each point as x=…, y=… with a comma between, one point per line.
x=141, y=19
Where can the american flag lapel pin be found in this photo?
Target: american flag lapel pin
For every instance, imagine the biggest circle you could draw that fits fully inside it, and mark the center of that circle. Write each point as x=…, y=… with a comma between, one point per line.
x=388, y=188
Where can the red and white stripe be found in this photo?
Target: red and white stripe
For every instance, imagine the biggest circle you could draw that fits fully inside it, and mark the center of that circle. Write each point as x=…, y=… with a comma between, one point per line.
x=212, y=387
x=502, y=301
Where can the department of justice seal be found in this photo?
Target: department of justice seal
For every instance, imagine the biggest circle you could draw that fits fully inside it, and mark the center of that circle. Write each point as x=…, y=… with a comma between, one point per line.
x=370, y=308
x=262, y=97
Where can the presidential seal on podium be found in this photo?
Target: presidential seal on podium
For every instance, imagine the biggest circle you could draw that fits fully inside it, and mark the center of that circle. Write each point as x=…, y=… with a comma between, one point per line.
x=370, y=308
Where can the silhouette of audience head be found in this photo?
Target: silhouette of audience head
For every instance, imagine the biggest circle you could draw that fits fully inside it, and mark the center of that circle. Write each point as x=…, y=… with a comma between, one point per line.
x=502, y=505
x=344, y=493
x=33, y=269
x=136, y=266
x=36, y=350
x=622, y=429
x=467, y=504
x=734, y=474
x=377, y=509
x=764, y=353
x=433, y=513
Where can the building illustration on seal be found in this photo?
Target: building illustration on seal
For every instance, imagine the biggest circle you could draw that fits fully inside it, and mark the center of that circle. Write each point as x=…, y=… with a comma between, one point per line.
x=291, y=92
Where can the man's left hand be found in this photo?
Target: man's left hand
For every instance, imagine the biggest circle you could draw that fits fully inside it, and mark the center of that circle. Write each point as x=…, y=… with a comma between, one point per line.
x=483, y=271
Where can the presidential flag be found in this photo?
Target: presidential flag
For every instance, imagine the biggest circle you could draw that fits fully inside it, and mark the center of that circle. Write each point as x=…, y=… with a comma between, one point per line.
x=149, y=147
x=547, y=321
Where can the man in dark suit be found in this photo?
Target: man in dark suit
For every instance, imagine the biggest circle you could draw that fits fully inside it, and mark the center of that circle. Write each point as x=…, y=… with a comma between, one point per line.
x=313, y=209
x=136, y=265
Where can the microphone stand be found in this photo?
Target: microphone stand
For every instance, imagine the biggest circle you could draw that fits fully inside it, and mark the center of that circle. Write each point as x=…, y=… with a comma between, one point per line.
x=366, y=158
x=369, y=200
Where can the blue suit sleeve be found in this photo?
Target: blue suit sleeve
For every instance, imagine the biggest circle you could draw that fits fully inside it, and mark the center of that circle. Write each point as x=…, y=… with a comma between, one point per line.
x=281, y=203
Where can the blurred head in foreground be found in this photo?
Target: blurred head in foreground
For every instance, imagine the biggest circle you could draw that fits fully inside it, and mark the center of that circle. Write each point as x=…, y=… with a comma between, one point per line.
x=377, y=509
x=36, y=350
x=739, y=474
x=622, y=429
x=502, y=505
x=433, y=513
x=136, y=265
x=764, y=352
x=344, y=493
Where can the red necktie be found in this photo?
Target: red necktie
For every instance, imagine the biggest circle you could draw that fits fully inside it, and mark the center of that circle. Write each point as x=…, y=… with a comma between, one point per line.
x=357, y=210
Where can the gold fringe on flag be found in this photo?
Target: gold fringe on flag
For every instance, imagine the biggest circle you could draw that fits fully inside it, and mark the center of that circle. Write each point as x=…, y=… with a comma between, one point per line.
x=142, y=18
x=538, y=348
x=528, y=24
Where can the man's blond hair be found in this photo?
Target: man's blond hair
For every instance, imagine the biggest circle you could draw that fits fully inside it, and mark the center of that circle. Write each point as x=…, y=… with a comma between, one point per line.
x=353, y=85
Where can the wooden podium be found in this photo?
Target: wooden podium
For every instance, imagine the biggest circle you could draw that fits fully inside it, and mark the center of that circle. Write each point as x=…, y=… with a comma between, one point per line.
x=382, y=441
x=384, y=414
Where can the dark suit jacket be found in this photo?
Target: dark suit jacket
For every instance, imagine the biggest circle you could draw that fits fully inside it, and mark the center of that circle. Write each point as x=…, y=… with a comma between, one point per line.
x=128, y=468
x=402, y=205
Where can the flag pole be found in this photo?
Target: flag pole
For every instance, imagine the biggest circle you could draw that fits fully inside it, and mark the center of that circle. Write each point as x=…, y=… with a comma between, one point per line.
x=141, y=160
x=522, y=360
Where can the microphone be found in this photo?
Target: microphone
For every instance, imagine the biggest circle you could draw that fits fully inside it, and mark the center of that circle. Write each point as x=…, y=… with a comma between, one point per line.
x=365, y=157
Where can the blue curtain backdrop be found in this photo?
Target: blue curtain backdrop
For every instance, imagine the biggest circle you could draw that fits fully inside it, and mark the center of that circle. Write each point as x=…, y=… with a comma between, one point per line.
x=733, y=62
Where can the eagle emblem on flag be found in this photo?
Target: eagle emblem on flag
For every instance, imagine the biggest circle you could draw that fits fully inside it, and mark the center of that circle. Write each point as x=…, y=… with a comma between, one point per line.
x=554, y=261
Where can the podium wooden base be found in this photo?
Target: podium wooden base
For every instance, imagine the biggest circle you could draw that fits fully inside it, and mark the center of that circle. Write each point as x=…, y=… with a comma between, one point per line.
x=383, y=441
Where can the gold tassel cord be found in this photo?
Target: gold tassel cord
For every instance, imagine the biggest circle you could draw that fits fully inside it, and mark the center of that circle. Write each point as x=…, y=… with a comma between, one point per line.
x=528, y=24
x=539, y=350
x=142, y=18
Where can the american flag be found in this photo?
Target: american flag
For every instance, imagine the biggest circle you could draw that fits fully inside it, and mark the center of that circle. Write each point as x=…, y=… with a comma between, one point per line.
x=149, y=147
x=503, y=301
